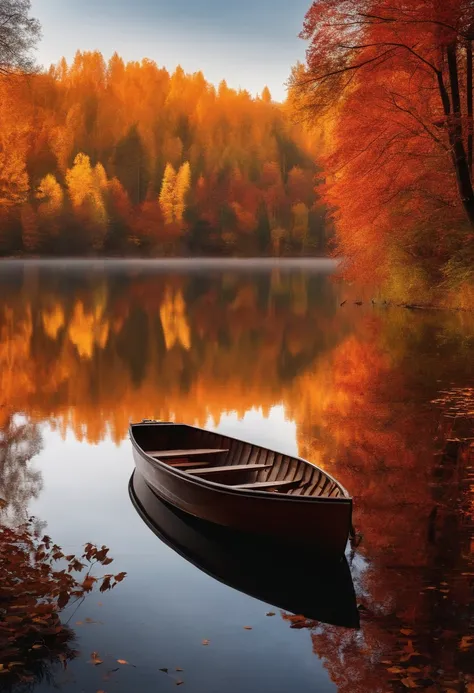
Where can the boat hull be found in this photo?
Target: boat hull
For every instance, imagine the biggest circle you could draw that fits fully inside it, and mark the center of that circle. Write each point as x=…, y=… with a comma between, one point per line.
x=323, y=523
x=293, y=578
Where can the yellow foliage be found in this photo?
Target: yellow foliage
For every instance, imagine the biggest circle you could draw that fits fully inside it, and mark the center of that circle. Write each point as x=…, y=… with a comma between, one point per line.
x=183, y=183
x=51, y=193
x=167, y=194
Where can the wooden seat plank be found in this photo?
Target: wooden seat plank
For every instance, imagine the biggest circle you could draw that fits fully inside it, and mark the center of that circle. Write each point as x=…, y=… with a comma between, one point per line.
x=184, y=453
x=185, y=463
x=230, y=468
x=261, y=485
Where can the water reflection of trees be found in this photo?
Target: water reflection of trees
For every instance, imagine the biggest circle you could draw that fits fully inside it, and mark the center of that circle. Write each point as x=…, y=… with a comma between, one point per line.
x=98, y=350
x=371, y=424
x=20, y=441
x=91, y=353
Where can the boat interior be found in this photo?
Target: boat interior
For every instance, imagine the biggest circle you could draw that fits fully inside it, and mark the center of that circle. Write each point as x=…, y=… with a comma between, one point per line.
x=233, y=463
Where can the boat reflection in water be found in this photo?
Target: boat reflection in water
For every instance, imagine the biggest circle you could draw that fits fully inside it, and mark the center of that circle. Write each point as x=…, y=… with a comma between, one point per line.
x=286, y=576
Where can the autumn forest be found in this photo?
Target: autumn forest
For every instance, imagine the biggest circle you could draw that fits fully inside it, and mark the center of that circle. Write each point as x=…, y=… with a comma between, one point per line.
x=115, y=158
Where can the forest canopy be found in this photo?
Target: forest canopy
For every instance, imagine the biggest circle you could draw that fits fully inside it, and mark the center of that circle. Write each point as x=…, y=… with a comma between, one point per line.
x=392, y=84
x=125, y=158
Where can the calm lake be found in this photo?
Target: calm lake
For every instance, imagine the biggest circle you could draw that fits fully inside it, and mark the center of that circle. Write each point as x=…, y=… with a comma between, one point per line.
x=382, y=397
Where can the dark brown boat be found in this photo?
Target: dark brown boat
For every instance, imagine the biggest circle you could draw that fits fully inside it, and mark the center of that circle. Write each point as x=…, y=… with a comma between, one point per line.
x=287, y=576
x=243, y=486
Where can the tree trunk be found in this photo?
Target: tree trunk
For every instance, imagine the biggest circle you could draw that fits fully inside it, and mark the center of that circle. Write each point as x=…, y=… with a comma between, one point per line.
x=469, y=104
x=460, y=159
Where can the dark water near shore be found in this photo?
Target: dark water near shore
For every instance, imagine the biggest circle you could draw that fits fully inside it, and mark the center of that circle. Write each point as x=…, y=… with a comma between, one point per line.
x=380, y=397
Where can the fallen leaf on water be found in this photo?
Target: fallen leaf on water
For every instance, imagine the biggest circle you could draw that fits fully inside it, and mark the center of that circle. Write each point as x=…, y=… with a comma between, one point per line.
x=122, y=661
x=247, y=627
x=95, y=659
x=395, y=670
x=406, y=631
x=430, y=588
x=37, y=647
x=409, y=682
x=205, y=642
x=79, y=623
x=467, y=641
x=179, y=669
x=164, y=670
x=179, y=682
x=413, y=670
x=270, y=613
x=407, y=657
x=100, y=691
x=385, y=661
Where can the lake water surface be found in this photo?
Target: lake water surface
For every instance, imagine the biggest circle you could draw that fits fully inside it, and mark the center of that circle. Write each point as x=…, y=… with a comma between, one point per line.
x=379, y=396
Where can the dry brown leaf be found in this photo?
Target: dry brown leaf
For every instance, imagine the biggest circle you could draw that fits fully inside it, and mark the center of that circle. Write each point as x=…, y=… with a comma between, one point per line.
x=179, y=669
x=385, y=661
x=395, y=670
x=270, y=613
x=407, y=657
x=248, y=628
x=413, y=670
x=37, y=647
x=95, y=659
x=122, y=661
x=205, y=642
x=467, y=641
x=408, y=682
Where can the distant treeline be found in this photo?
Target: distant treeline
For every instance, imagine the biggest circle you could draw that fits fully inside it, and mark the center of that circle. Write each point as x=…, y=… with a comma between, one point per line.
x=115, y=158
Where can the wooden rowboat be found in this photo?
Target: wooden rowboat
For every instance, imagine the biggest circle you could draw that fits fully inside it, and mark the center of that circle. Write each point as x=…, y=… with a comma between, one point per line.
x=287, y=576
x=243, y=486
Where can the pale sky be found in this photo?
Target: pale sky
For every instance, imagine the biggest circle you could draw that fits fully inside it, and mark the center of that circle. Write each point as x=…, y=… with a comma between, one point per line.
x=250, y=43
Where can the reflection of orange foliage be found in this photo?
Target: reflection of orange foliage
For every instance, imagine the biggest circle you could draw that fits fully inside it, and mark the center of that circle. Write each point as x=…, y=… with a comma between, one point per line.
x=87, y=330
x=53, y=321
x=173, y=321
x=147, y=351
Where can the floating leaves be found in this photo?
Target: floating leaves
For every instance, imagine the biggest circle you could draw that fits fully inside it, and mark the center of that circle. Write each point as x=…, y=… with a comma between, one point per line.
x=122, y=661
x=270, y=613
x=248, y=628
x=408, y=682
x=95, y=659
x=205, y=642
x=467, y=641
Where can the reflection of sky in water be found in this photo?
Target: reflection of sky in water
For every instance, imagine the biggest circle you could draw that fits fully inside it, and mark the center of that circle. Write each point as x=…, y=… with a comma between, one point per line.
x=160, y=614
x=274, y=431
